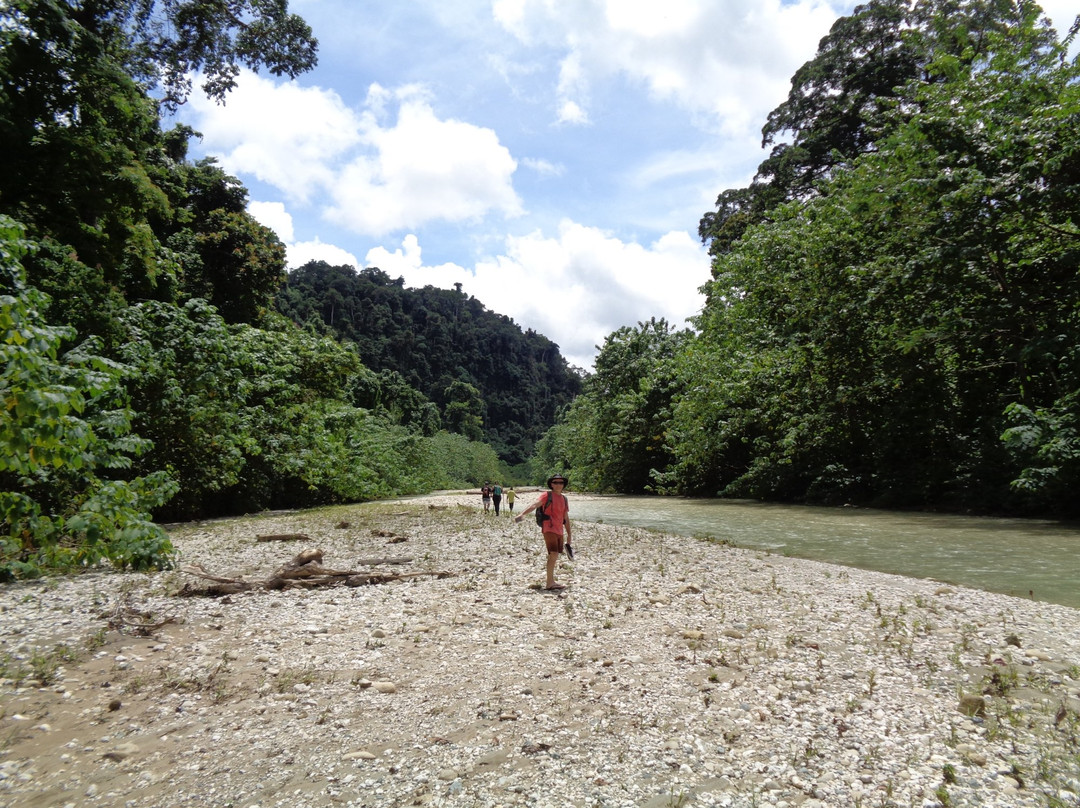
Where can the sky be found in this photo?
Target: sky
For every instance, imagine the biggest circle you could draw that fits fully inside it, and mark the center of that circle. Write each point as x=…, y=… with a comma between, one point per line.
x=554, y=157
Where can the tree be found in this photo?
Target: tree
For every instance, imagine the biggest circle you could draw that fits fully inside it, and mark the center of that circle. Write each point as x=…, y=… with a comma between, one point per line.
x=871, y=343
x=464, y=411
x=614, y=437
x=844, y=100
x=64, y=502
x=86, y=164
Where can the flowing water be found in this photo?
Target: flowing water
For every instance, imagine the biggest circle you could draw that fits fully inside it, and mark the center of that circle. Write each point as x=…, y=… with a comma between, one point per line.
x=1027, y=558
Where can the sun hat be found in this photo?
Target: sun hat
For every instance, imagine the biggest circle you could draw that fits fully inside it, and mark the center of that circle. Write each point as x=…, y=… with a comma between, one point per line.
x=555, y=477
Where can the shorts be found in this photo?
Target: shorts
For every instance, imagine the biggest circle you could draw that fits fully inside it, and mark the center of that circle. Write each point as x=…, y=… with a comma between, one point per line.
x=554, y=542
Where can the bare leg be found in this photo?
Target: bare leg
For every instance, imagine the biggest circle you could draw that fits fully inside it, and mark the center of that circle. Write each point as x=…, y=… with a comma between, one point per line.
x=552, y=558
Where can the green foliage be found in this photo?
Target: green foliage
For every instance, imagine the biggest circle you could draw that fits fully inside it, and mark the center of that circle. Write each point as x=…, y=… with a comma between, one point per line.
x=614, y=437
x=164, y=42
x=238, y=408
x=871, y=342
x=63, y=431
x=844, y=100
x=489, y=379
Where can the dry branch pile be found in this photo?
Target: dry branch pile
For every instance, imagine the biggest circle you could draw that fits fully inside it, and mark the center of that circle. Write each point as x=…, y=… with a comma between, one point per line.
x=305, y=570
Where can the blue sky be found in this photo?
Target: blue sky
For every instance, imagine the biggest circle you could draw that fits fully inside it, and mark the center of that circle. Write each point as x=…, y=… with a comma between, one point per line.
x=552, y=156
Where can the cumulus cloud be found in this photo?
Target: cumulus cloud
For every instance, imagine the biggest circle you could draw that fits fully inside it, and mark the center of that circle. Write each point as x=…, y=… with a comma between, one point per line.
x=419, y=168
x=390, y=166
x=274, y=216
x=300, y=252
x=576, y=287
x=285, y=135
x=729, y=62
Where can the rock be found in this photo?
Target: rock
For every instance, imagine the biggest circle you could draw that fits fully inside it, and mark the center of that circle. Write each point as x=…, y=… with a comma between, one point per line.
x=384, y=687
x=734, y=634
x=1042, y=656
x=449, y=774
x=693, y=634
x=121, y=752
x=972, y=706
x=361, y=754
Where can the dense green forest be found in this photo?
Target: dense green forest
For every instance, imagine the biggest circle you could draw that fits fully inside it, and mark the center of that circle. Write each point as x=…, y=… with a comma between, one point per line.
x=147, y=373
x=489, y=380
x=893, y=316
x=894, y=312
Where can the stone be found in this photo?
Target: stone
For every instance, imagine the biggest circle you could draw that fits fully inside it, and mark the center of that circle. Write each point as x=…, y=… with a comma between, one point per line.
x=121, y=752
x=361, y=754
x=972, y=706
x=384, y=687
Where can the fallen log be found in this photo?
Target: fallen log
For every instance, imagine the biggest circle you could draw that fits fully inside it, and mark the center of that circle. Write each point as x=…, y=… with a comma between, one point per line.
x=305, y=571
x=282, y=537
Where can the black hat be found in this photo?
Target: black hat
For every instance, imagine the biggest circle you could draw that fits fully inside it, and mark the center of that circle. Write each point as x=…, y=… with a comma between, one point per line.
x=555, y=477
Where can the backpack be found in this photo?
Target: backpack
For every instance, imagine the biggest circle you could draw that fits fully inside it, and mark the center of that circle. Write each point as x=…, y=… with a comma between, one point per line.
x=541, y=514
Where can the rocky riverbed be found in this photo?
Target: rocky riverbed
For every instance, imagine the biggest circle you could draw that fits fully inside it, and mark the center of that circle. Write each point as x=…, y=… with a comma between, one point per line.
x=670, y=672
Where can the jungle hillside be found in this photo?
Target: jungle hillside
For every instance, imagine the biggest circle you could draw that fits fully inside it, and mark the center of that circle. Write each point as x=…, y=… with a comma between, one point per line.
x=159, y=363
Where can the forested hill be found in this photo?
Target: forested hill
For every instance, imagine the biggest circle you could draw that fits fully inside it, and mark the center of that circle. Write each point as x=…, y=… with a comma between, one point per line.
x=491, y=380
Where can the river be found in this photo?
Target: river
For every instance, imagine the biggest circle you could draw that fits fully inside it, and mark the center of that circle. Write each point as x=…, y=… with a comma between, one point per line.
x=1028, y=558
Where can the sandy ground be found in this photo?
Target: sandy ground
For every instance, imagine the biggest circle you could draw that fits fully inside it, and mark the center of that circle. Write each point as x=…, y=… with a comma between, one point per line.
x=670, y=672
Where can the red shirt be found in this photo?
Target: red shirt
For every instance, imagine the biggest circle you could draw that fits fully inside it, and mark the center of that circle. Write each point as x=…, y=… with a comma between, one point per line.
x=555, y=510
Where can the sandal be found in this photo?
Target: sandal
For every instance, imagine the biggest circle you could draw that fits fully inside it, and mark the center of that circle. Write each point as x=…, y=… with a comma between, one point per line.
x=554, y=587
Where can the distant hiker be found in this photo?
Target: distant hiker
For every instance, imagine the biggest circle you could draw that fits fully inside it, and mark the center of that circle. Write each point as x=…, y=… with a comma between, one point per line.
x=556, y=519
x=485, y=493
x=496, y=496
x=510, y=494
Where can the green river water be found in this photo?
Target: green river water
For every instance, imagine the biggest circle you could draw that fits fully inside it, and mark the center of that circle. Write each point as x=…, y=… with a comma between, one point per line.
x=1026, y=558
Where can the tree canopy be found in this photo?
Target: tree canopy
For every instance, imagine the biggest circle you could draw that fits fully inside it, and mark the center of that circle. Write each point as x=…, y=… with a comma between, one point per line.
x=490, y=380
x=892, y=318
x=145, y=372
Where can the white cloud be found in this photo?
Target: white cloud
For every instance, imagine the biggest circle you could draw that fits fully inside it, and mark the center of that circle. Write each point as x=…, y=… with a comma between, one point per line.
x=728, y=62
x=576, y=287
x=274, y=216
x=299, y=253
x=422, y=169
x=543, y=167
x=379, y=173
x=283, y=134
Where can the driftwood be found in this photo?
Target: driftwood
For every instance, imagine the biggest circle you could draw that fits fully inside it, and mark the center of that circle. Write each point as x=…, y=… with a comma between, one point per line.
x=283, y=537
x=126, y=618
x=305, y=571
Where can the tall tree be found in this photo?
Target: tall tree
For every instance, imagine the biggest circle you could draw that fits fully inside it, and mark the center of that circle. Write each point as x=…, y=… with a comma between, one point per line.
x=66, y=500
x=867, y=343
x=845, y=99
x=614, y=436
x=86, y=166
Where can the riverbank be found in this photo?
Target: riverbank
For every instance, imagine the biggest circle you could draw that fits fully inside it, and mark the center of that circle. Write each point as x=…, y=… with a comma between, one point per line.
x=670, y=672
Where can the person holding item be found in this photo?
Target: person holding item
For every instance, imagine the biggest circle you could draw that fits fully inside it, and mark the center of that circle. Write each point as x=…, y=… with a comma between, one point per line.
x=556, y=521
